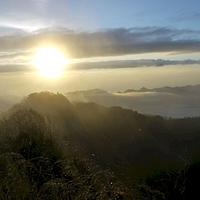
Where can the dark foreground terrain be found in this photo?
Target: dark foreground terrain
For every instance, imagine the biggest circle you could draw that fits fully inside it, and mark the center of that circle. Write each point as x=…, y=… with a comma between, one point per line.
x=51, y=148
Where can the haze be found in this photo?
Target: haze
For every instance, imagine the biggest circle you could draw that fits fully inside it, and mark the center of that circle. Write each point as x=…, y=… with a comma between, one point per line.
x=99, y=99
x=112, y=45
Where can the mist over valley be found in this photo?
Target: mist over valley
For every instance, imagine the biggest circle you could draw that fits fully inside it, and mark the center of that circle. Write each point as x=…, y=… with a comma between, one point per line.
x=176, y=102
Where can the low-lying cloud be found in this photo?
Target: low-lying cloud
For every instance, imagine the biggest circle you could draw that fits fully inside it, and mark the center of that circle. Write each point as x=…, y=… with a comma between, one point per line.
x=103, y=65
x=131, y=64
x=17, y=68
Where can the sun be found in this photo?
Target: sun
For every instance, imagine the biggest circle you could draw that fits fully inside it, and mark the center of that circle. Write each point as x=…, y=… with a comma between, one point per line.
x=50, y=61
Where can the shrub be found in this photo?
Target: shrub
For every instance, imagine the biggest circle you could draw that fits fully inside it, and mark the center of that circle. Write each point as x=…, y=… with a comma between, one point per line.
x=35, y=165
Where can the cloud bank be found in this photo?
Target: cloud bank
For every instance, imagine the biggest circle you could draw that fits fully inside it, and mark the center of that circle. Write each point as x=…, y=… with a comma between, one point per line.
x=16, y=48
x=107, y=42
x=103, y=65
x=131, y=64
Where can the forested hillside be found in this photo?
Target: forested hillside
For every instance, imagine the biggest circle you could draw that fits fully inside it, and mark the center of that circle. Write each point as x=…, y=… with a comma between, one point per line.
x=144, y=156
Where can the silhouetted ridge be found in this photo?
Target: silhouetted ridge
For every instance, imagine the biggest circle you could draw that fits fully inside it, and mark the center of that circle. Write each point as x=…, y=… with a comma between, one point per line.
x=155, y=153
x=88, y=92
x=143, y=89
x=47, y=98
x=58, y=108
x=175, y=90
x=47, y=102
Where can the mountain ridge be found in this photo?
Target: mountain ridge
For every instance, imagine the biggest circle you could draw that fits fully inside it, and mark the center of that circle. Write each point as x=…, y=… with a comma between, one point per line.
x=166, y=101
x=176, y=90
x=132, y=145
x=110, y=133
x=169, y=89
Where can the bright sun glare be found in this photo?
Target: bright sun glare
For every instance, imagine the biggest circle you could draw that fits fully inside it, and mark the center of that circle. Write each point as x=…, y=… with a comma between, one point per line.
x=50, y=61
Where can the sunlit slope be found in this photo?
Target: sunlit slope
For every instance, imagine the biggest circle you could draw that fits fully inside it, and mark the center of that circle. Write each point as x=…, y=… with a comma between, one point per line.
x=59, y=110
x=134, y=146
x=88, y=124
x=113, y=134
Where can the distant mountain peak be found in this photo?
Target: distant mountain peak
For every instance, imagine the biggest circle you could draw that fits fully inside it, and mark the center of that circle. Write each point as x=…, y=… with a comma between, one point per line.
x=42, y=100
x=45, y=95
x=97, y=91
x=167, y=89
x=88, y=92
x=143, y=89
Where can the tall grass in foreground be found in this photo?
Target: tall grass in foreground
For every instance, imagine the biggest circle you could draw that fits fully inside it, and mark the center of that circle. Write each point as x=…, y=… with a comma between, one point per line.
x=35, y=164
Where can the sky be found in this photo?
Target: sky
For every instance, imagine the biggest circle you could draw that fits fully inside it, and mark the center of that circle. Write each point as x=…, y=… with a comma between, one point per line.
x=112, y=45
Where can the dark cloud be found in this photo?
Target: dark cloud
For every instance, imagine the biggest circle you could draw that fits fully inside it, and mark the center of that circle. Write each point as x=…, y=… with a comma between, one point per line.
x=102, y=65
x=16, y=55
x=17, y=68
x=130, y=64
x=107, y=42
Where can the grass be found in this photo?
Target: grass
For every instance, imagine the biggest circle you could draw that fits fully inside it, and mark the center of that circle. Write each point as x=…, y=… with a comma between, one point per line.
x=35, y=164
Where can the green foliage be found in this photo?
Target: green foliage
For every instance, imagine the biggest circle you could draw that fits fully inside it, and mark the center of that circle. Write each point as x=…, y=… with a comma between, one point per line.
x=155, y=158
x=163, y=184
x=180, y=182
x=35, y=164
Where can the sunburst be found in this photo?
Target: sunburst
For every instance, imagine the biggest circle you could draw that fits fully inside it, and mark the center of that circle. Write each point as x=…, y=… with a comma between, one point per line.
x=50, y=61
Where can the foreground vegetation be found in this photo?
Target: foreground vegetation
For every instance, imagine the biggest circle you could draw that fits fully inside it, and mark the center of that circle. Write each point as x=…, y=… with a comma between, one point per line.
x=86, y=151
x=34, y=164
